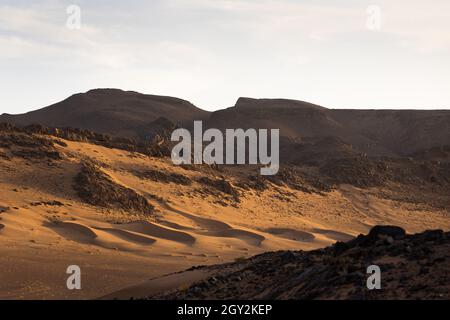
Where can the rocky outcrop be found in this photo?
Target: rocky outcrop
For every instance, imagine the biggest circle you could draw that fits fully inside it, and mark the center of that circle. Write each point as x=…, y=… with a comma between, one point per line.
x=412, y=267
x=28, y=145
x=97, y=188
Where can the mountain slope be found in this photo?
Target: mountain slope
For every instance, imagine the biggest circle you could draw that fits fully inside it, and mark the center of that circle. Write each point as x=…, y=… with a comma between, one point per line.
x=111, y=111
x=375, y=132
x=303, y=126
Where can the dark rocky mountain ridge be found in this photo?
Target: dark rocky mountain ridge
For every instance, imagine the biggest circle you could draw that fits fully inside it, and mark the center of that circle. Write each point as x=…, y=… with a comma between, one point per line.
x=393, y=133
x=111, y=111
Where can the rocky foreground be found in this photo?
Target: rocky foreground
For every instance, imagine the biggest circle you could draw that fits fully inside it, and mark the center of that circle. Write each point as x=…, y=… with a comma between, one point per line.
x=412, y=267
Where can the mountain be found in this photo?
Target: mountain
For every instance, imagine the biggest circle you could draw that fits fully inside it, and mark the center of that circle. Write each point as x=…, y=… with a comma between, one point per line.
x=119, y=207
x=111, y=111
x=375, y=132
x=303, y=126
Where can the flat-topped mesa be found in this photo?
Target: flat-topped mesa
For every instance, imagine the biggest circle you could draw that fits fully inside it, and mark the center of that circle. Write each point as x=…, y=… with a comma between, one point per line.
x=245, y=102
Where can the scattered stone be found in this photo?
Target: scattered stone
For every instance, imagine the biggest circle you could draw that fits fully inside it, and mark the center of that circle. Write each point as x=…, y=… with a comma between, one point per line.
x=97, y=188
x=222, y=185
x=336, y=272
x=431, y=235
x=163, y=176
x=29, y=146
x=48, y=203
x=358, y=171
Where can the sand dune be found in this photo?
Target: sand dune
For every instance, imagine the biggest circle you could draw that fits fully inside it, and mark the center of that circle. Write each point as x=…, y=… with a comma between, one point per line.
x=251, y=238
x=202, y=222
x=292, y=234
x=332, y=234
x=76, y=232
x=43, y=219
x=129, y=236
x=155, y=230
x=216, y=228
x=154, y=286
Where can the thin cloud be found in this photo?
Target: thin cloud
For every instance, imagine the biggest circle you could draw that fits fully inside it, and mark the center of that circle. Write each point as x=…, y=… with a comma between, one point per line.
x=211, y=52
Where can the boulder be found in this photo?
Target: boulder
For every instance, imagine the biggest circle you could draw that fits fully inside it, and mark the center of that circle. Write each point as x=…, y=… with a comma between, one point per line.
x=387, y=231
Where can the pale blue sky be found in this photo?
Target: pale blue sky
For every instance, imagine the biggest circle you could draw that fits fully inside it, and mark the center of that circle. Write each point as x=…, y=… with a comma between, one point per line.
x=213, y=51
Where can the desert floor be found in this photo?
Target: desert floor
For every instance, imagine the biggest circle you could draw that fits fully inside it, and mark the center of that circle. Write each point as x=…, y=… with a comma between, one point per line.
x=45, y=226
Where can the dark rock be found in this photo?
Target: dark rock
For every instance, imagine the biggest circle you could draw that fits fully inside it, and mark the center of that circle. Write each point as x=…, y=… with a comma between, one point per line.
x=392, y=231
x=222, y=185
x=397, y=249
x=357, y=171
x=337, y=272
x=97, y=188
x=431, y=235
x=424, y=270
x=340, y=247
x=389, y=240
x=163, y=176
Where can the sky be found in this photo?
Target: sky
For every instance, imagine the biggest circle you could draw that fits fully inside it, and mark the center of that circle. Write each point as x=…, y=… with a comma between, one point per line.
x=339, y=54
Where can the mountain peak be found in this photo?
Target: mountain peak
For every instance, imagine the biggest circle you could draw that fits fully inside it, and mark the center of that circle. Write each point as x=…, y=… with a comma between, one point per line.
x=245, y=102
x=106, y=90
x=111, y=111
